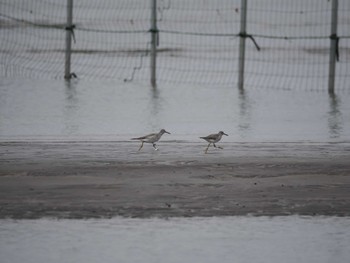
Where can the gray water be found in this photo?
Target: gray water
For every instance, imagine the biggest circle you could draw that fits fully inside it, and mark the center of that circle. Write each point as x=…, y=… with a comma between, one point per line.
x=224, y=239
x=107, y=110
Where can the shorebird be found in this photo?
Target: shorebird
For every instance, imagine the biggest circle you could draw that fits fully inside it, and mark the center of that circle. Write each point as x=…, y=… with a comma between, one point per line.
x=151, y=138
x=213, y=138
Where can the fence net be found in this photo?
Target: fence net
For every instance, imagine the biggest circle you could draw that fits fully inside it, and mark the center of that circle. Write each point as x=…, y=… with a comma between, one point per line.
x=198, y=41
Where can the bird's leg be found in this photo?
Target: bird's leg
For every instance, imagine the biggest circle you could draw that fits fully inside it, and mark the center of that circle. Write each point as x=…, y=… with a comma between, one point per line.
x=155, y=147
x=217, y=146
x=141, y=146
x=206, y=150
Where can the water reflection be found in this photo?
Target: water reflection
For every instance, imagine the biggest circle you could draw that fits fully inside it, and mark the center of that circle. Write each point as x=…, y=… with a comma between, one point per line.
x=244, y=113
x=78, y=108
x=334, y=116
x=155, y=109
x=71, y=107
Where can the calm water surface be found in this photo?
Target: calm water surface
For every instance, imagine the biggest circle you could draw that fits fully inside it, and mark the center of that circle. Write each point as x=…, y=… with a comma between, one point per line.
x=37, y=109
x=225, y=239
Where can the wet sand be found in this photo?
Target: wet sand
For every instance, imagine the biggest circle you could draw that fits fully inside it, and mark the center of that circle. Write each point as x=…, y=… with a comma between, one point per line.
x=105, y=179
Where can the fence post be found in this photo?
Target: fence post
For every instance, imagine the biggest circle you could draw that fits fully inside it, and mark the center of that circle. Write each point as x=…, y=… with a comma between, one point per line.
x=69, y=32
x=154, y=38
x=242, y=35
x=334, y=47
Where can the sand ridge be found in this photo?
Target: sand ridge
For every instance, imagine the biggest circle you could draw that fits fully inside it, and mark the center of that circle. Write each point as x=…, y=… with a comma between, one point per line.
x=106, y=179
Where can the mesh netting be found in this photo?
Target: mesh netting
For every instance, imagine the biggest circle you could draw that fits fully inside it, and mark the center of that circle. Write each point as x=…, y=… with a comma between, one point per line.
x=198, y=41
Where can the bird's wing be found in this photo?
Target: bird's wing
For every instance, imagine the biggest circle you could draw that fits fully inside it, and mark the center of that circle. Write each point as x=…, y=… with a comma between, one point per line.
x=210, y=137
x=144, y=137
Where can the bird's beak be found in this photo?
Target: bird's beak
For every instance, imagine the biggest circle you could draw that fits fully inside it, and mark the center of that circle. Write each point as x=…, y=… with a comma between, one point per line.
x=167, y=132
x=225, y=134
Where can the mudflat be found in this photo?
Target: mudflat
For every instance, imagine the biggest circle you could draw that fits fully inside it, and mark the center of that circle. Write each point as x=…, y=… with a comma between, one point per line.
x=99, y=179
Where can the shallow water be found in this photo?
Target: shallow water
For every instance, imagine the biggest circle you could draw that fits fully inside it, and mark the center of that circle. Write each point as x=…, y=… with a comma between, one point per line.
x=80, y=110
x=223, y=239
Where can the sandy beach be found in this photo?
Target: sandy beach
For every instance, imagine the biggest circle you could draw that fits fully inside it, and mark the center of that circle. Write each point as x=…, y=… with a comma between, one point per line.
x=101, y=179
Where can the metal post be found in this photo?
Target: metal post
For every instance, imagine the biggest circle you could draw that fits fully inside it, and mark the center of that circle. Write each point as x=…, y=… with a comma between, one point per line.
x=242, y=44
x=69, y=28
x=154, y=38
x=333, y=48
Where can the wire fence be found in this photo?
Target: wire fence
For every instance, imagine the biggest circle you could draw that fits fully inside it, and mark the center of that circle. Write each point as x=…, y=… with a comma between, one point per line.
x=198, y=41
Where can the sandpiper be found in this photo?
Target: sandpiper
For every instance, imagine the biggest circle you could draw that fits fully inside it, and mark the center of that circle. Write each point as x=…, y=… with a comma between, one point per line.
x=151, y=138
x=213, y=138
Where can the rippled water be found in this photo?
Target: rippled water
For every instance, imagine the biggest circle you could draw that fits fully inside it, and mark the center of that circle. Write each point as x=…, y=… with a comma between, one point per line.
x=37, y=109
x=225, y=239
